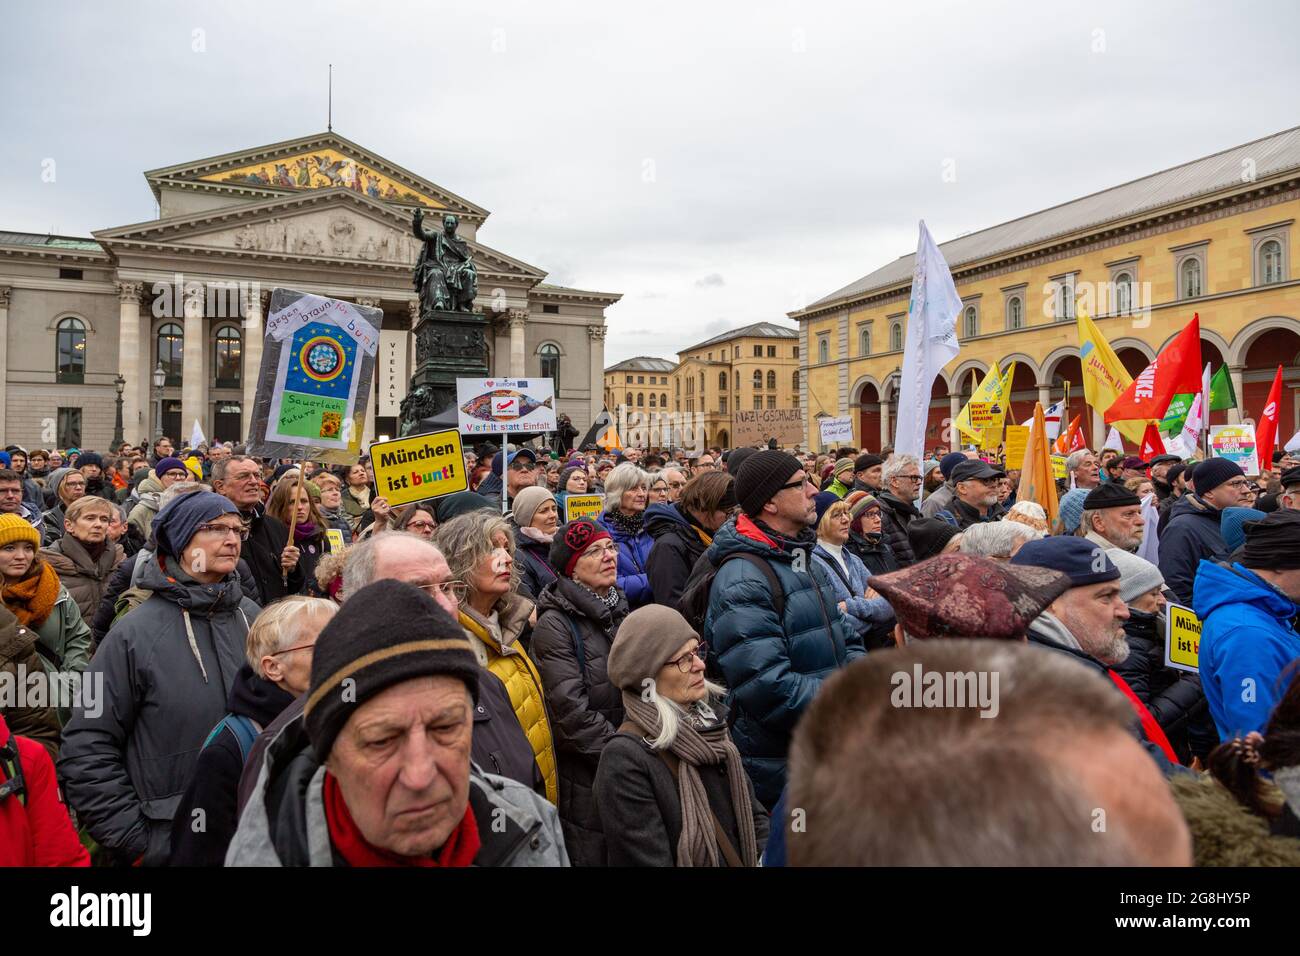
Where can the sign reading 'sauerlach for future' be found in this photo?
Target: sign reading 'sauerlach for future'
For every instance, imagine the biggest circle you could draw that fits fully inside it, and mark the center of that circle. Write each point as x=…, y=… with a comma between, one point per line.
x=757, y=426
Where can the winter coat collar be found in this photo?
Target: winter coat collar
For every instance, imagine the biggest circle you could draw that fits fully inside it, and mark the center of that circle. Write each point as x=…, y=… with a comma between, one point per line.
x=1192, y=504
x=256, y=698
x=1049, y=627
x=73, y=550
x=1219, y=585
x=512, y=618
x=573, y=600
x=898, y=504
x=179, y=588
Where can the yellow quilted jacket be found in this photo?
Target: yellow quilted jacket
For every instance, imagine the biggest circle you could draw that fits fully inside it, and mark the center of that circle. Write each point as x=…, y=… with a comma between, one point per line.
x=524, y=685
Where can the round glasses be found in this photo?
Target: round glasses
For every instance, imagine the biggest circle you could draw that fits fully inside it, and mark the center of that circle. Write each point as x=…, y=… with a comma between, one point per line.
x=687, y=660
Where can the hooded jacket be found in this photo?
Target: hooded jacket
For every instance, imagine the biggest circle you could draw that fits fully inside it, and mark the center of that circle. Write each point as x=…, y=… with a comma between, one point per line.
x=1192, y=535
x=86, y=578
x=216, y=775
x=284, y=822
x=35, y=829
x=125, y=770
x=773, y=667
x=586, y=708
x=678, y=544
x=633, y=553
x=19, y=658
x=146, y=509
x=1247, y=641
x=535, y=566
x=895, y=516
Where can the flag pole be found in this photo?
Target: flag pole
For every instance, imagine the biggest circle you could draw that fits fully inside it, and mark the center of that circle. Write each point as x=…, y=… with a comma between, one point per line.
x=505, y=444
x=293, y=518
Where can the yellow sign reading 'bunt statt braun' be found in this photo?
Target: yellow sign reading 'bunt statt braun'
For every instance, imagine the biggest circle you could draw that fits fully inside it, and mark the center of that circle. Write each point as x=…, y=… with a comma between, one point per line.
x=323, y=169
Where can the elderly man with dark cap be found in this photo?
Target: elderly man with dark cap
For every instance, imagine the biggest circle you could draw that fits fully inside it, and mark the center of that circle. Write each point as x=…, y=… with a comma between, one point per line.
x=378, y=773
x=974, y=494
x=771, y=620
x=1087, y=621
x=1193, y=533
x=1248, y=635
x=942, y=497
x=1112, y=517
x=868, y=472
x=166, y=669
x=1159, y=468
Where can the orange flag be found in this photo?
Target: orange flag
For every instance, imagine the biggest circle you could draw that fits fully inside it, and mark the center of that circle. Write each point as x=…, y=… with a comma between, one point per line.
x=1036, y=480
x=1072, y=439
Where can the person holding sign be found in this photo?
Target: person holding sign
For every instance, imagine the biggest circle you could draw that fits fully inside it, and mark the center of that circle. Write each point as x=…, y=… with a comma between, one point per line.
x=291, y=503
x=1248, y=640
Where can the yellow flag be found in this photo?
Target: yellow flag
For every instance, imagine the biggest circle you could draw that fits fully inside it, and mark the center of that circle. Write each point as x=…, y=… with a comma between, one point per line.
x=993, y=431
x=1104, y=376
x=1037, y=482
x=987, y=405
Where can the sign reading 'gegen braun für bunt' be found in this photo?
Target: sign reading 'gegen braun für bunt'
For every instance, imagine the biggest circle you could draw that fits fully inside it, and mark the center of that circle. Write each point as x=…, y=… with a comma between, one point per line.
x=488, y=405
x=418, y=467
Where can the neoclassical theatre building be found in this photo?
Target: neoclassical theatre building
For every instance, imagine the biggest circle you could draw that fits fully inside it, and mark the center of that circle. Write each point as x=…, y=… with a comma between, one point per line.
x=183, y=297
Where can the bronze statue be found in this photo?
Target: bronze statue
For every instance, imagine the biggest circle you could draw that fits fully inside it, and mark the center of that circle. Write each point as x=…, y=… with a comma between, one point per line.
x=420, y=404
x=445, y=276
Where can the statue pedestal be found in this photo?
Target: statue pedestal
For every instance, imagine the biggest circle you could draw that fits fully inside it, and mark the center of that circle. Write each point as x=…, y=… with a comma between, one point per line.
x=448, y=345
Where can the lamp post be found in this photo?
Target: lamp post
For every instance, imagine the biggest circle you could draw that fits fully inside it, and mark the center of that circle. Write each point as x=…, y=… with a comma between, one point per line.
x=119, y=384
x=159, y=380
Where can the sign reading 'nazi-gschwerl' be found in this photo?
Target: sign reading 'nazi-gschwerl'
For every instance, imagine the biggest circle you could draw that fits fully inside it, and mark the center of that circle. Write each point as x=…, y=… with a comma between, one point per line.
x=418, y=467
x=1182, y=638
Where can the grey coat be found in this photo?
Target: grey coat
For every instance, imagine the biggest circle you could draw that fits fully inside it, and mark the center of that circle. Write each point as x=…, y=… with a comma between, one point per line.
x=125, y=769
x=937, y=502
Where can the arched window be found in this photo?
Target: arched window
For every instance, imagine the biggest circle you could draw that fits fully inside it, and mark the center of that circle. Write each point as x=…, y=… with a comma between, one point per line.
x=796, y=381
x=70, y=357
x=970, y=323
x=823, y=349
x=171, y=343
x=896, y=336
x=771, y=378
x=1123, y=293
x=653, y=401
x=722, y=381
x=1189, y=278
x=864, y=341
x=663, y=400
x=1270, y=262
x=551, y=364
x=640, y=399
x=227, y=357
x=758, y=378
x=1015, y=313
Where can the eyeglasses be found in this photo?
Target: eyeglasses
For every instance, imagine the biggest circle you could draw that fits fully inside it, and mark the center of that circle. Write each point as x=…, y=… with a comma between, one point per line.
x=421, y=525
x=796, y=484
x=456, y=590
x=909, y=477
x=223, y=530
x=290, y=650
x=600, y=551
x=175, y=474
x=1238, y=483
x=245, y=476
x=685, y=662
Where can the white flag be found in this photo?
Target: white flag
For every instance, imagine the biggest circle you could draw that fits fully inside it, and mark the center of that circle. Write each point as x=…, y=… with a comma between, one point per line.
x=1113, y=440
x=196, y=436
x=931, y=342
x=1052, y=419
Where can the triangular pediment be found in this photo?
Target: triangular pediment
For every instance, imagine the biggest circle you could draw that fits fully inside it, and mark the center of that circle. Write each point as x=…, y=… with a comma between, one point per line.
x=332, y=225
x=313, y=163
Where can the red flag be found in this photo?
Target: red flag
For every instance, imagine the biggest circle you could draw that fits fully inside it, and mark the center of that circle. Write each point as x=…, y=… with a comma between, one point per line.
x=1176, y=369
x=1266, y=430
x=1072, y=440
x=1152, y=443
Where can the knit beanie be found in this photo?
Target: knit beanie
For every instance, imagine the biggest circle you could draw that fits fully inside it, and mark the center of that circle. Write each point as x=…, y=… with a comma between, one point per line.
x=929, y=536
x=843, y=466
x=1230, y=526
x=950, y=461
x=177, y=523
x=1137, y=575
x=461, y=503
x=5, y=460
x=571, y=540
x=14, y=528
x=90, y=458
x=1071, y=509
x=386, y=633
x=762, y=476
x=738, y=457
x=528, y=501
x=1274, y=543
x=823, y=500
x=866, y=461
x=647, y=639
x=1214, y=472
x=169, y=464
x=859, y=502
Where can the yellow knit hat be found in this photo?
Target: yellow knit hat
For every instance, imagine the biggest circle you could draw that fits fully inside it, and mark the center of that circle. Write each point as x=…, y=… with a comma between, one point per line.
x=13, y=528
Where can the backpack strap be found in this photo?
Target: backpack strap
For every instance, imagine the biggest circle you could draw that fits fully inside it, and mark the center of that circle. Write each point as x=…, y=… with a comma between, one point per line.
x=773, y=584
x=580, y=649
x=11, y=766
x=243, y=729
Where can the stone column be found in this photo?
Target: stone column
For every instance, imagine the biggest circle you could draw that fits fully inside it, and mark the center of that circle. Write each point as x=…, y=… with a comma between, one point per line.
x=595, y=376
x=130, y=365
x=886, y=433
x=1238, y=389
x=954, y=409
x=251, y=369
x=1044, y=398
x=4, y=358
x=194, y=388
x=518, y=319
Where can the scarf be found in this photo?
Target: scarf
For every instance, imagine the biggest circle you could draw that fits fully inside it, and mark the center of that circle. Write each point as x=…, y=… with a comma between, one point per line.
x=1150, y=726
x=301, y=532
x=32, y=599
x=610, y=600
x=533, y=534
x=709, y=744
x=627, y=524
x=460, y=849
x=361, y=497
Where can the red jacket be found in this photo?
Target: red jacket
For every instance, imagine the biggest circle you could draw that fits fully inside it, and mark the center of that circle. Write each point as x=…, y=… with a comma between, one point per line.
x=35, y=829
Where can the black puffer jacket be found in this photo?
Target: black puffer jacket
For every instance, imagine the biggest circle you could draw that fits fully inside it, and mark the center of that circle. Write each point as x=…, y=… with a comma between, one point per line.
x=267, y=537
x=535, y=563
x=877, y=555
x=895, y=516
x=1193, y=535
x=1173, y=698
x=677, y=546
x=585, y=708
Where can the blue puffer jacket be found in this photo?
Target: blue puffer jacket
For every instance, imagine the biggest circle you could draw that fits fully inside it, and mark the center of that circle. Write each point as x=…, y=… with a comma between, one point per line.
x=863, y=614
x=633, y=553
x=1192, y=535
x=773, y=668
x=1247, y=641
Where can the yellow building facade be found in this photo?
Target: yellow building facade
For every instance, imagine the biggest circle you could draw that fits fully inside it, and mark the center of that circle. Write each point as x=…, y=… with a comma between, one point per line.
x=1214, y=237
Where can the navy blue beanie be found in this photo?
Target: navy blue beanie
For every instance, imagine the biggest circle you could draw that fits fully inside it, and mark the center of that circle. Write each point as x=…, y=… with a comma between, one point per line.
x=950, y=461
x=90, y=458
x=1215, y=472
x=1079, y=559
x=175, y=524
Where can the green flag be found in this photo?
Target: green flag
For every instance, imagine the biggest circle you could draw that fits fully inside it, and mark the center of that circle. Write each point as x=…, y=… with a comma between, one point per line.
x=1222, y=395
x=1179, y=406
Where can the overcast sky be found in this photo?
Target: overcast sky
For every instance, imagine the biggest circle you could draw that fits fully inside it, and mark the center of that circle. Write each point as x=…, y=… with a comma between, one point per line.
x=717, y=163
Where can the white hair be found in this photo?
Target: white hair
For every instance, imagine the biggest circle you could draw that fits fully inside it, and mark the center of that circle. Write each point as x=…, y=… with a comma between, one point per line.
x=621, y=480
x=895, y=465
x=671, y=713
x=1074, y=461
x=996, y=539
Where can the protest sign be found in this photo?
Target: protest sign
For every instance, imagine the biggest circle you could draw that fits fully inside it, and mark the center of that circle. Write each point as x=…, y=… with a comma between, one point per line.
x=1058, y=467
x=835, y=430
x=490, y=405
x=582, y=506
x=1182, y=638
x=1235, y=443
x=335, y=537
x=757, y=426
x=418, y=467
x=316, y=378
x=1017, y=440
x=983, y=414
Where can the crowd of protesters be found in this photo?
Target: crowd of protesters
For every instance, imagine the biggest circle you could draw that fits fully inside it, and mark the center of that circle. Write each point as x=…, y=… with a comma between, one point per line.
x=720, y=663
